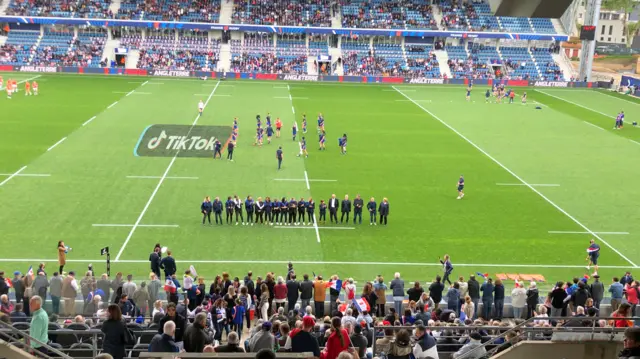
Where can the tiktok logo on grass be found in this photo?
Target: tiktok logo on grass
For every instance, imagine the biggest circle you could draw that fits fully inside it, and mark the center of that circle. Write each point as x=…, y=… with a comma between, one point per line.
x=180, y=140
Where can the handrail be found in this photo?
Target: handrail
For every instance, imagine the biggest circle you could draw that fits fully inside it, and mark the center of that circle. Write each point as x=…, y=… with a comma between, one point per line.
x=49, y=348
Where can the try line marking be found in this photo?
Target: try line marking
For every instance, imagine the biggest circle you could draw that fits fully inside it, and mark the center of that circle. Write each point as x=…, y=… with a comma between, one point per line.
x=592, y=125
x=571, y=232
x=131, y=225
x=518, y=177
x=169, y=177
x=26, y=174
x=13, y=175
x=573, y=103
x=57, y=143
x=395, y=264
x=531, y=184
x=164, y=176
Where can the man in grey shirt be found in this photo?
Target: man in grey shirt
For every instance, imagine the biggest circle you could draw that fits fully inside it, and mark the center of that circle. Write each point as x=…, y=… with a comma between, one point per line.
x=397, y=287
x=129, y=287
x=597, y=291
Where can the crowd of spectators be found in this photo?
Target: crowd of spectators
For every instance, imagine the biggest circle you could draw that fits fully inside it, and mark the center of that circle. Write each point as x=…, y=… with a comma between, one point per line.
x=8, y=54
x=84, y=54
x=62, y=8
x=171, y=10
x=282, y=12
x=457, y=14
x=285, y=305
x=155, y=58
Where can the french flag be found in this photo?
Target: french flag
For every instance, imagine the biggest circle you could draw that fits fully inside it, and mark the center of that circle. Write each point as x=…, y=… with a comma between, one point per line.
x=30, y=271
x=336, y=285
x=361, y=304
x=8, y=282
x=170, y=286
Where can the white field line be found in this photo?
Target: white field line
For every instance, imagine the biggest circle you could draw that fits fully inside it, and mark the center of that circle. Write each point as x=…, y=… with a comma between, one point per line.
x=135, y=82
x=530, y=184
x=306, y=179
x=23, y=81
x=133, y=92
x=26, y=174
x=144, y=83
x=519, y=178
x=131, y=225
x=315, y=226
x=592, y=125
x=55, y=144
x=394, y=90
x=427, y=101
x=164, y=175
x=301, y=179
x=221, y=95
x=154, y=83
x=113, y=104
x=89, y=120
x=13, y=175
x=576, y=232
x=636, y=142
x=573, y=103
x=200, y=94
x=538, y=103
x=618, y=98
x=395, y=264
x=168, y=177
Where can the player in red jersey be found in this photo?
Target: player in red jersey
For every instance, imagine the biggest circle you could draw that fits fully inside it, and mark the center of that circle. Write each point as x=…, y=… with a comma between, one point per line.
x=27, y=88
x=9, y=89
x=34, y=85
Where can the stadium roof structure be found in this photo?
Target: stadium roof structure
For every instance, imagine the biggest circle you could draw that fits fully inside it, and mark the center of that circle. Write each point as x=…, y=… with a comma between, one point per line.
x=280, y=29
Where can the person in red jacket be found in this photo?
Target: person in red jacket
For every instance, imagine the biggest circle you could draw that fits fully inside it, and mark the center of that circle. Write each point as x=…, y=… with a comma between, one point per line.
x=280, y=293
x=337, y=342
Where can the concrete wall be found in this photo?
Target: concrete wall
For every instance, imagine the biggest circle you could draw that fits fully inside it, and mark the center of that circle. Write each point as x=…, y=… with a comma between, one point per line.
x=537, y=350
x=531, y=8
x=517, y=8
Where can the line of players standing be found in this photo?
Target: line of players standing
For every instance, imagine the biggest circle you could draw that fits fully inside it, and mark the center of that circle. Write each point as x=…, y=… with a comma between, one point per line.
x=291, y=212
x=12, y=87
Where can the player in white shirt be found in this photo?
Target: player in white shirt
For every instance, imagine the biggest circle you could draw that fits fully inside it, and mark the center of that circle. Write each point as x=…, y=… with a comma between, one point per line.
x=200, y=107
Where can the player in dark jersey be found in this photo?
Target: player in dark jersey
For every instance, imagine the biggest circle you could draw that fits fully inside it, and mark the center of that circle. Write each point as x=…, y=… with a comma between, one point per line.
x=320, y=122
x=294, y=130
x=321, y=139
x=303, y=148
x=268, y=119
x=304, y=124
x=487, y=96
x=469, y=93
x=269, y=134
x=593, y=253
x=460, y=187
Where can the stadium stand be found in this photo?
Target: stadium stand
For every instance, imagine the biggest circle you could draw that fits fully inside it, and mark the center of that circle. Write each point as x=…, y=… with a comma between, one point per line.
x=318, y=46
x=519, y=63
x=291, y=56
x=455, y=15
x=282, y=12
x=256, y=54
x=515, y=24
x=389, y=59
x=543, y=26
x=385, y=14
x=549, y=69
x=167, y=53
x=93, y=9
x=352, y=52
x=20, y=45
x=52, y=48
x=421, y=61
x=171, y=10
x=86, y=50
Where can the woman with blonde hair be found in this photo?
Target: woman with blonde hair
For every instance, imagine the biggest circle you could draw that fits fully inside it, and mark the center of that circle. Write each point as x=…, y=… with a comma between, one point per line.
x=157, y=308
x=468, y=308
x=263, y=303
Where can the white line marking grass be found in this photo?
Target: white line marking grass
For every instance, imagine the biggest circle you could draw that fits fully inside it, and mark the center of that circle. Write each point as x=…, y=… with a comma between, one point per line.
x=164, y=175
x=57, y=143
x=306, y=179
x=394, y=264
x=13, y=175
x=26, y=174
x=530, y=184
x=88, y=121
x=113, y=104
x=576, y=232
x=518, y=177
x=636, y=142
x=131, y=225
x=168, y=177
x=312, y=227
x=592, y=125
x=221, y=95
x=619, y=98
x=394, y=90
x=133, y=92
x=573, y=103
x=302, y=180
x=427, y=101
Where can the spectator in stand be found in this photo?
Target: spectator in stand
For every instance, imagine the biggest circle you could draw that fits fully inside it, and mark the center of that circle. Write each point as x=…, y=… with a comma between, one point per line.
x=233, y=345
x=40, y=284
x=39, y=327
x=280, y=293
x=616, y=289
x=164, y=343
x=5, y=305
x=293, y=291
x=532, y=299
x=195, y=337
x=338, y=340
x=435, y=291
x=518, y=300
x=597, y=291
x=487, y=289
x=425, y=346
x=380, y=287
x=622, y=316
x=17, y=285
x=334, y=294
x=468, y=308
x=631, y=344
x=499, y=299
x=173, y=316
x=474, y=293
x=301, y=339
x=18, y=315
x=401, y=345
x=580, y=296
x=632, y=293
x=453, y=298
x=262, y=339
x=116, y=334
x=415, y=292
x=558, y=295
x=359, y=341
x=69, y=293
x=306, y=292
x=473, y=349
x=397, y=287
x=319, y=294
x=141, y=299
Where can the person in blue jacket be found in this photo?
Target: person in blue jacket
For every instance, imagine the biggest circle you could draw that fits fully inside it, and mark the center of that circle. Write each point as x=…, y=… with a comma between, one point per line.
x=229, y=207
x=217, y=210
x=206, y=208
x=311, y=207
x=372, y=207
x=248, y=206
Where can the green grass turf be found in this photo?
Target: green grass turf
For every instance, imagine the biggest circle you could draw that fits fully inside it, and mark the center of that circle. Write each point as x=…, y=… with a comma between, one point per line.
x=396, y=150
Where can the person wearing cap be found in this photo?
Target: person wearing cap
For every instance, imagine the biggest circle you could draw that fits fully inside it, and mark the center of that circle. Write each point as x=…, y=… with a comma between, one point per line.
x=16, y=283
x=597, y=291
x=232, y=346
x=262, y=339
x=301, y=339
x=473, y=349
x=425, y=344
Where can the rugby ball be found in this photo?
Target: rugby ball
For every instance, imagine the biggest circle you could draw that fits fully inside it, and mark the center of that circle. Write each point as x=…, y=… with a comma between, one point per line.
x=163, y=250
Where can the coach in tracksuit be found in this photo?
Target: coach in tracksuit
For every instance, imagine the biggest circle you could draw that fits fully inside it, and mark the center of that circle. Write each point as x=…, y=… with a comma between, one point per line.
x=238, y=207
x=259, y=210
x=358, y=203
x=384, y=211
x=302, y=209
x=276, y=211
x=334, y=205
x=268, y=207
x=248, y=206
x=206, y=208
x=229, y=206
x=311, y=207
x=217, y=150
x=292, y=211
x=346, y=208
x=372, y=207
x=230, y=147
x=217, y=209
